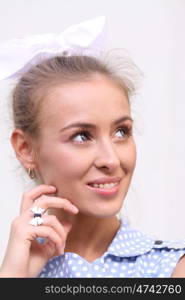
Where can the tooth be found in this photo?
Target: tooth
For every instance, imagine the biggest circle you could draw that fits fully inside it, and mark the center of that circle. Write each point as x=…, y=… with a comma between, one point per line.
x=107, y=185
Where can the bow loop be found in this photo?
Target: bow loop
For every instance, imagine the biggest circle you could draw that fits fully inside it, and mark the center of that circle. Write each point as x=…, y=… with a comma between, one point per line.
x=18, y=55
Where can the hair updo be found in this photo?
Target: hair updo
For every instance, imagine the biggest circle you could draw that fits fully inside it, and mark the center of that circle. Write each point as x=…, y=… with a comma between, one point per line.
x=34, y=84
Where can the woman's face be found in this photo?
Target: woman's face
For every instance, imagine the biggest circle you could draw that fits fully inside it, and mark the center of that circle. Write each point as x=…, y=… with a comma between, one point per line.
x=70, y=156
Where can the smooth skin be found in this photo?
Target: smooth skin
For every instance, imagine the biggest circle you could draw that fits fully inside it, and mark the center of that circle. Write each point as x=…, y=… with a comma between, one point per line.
x=68, y=160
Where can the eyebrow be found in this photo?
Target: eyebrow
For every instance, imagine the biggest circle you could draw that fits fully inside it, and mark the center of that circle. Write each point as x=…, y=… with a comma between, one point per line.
x=89, y=125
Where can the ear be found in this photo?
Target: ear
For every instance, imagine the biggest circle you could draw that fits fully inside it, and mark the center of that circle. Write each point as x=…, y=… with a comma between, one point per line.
x=23, y=147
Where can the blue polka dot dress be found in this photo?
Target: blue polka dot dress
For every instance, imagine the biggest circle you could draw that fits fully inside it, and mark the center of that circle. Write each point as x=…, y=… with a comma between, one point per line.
x=130, y=254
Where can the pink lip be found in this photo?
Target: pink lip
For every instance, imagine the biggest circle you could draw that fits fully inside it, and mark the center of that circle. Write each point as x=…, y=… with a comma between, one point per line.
x=105, y=192
x=105, y=180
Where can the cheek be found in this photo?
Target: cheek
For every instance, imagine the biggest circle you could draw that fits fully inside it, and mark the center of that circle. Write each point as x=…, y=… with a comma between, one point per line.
x=129, y=157
x=69, y=164
x=72, y=165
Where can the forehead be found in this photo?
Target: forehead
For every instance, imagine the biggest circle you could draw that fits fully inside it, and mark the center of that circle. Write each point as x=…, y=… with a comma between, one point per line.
x=88, y=99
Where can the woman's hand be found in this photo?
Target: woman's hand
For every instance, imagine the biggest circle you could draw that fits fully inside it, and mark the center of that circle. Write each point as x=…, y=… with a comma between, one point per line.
x=25, y=257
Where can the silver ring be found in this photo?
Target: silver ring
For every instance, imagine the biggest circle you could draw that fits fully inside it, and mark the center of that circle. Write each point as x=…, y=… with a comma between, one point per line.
x=37, y=219
x=38, y=211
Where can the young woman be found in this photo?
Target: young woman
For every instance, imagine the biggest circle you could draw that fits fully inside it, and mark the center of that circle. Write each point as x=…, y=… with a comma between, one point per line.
x=73, y=134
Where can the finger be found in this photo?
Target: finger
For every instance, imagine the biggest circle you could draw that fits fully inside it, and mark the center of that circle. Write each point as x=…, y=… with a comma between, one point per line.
x=22, y=230
x=30, y=196
x=47, y=202
x=54, y=223
x=48, y=233
x=62, y=228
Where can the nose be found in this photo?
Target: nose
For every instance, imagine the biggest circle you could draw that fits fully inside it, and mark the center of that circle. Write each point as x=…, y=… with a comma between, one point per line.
x=107, y=157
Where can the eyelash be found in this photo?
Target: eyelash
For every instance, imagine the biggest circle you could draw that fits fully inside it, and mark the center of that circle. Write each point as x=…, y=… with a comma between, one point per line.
x=128, y=132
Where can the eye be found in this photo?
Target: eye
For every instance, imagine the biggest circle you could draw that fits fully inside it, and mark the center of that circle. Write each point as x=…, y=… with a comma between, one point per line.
x=81, y=136
x=125, y=131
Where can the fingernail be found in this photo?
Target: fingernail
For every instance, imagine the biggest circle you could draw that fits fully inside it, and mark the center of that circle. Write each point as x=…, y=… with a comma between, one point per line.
x=53, y=187
x=76, y=209
x=41, y=240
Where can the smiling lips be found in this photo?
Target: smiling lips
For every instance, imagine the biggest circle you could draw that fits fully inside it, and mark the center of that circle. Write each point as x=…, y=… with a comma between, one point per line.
x=104, y=180
x=105, y=186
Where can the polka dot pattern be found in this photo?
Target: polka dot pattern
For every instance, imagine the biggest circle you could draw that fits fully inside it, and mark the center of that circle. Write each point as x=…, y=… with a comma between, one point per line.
x=130, y=254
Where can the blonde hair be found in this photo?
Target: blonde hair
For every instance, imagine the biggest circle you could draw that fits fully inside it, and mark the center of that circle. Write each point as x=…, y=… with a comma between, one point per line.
x=30, y=91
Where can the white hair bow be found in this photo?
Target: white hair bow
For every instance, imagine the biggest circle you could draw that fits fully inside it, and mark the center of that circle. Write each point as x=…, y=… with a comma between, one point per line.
x=17, y=55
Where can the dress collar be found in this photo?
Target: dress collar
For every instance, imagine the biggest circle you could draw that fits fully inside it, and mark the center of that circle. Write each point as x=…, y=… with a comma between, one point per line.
x=129, y=242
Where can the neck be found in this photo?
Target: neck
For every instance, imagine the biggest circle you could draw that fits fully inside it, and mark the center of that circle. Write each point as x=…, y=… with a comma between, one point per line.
x=95, y=233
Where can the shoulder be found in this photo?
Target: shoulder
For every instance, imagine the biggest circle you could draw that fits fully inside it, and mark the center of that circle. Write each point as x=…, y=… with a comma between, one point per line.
x=169, y=256
x=179, y=270
x=148, y=256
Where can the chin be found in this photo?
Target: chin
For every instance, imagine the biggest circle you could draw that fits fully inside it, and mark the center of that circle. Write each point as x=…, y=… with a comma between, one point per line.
x=101, y=213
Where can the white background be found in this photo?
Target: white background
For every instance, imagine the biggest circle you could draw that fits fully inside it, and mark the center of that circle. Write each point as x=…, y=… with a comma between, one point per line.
x=153, y=33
